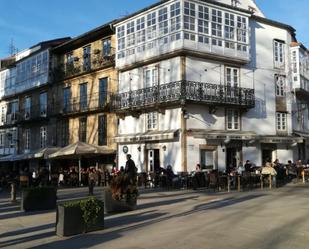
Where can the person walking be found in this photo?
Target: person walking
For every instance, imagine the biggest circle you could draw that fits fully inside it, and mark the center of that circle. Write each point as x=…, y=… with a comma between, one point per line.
x=130, y=169
x=92, y=180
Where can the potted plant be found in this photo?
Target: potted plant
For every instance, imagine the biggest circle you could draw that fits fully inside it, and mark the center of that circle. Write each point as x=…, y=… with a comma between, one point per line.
x=122, y=195
x=79, y=217
x=38, y=198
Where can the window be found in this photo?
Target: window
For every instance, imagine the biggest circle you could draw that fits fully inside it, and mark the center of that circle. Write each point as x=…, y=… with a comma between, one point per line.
x=66, y=99
x=121, y=41
x=65, y=135
x=203, y=20
x=229, y=30
x=27, y=107
x=241, y=33
x=152, y=120
x=102, y=130
x=83, y=96
x=69, y=59
x=189, y=16
x=130, y=34
x=12, y=111
x=103, y=88
x=43, y=137
x=163, y=21
x=27, y=139
x=31, y=69
x=3, y=113
x=151, y=26
x=106, y=43
x=232, y=77
x=233, y=119
x=175, y=16
x=150, y=77
x=278, y=53
x=281, y=121
x=83, y=129
x=43, y=104
x=2, y=137
x=87, y=58
x=280, y=85
x=140, y=30
x=208, y=160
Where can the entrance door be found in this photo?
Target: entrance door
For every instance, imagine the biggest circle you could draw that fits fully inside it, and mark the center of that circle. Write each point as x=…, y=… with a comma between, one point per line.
x=231, y=158
x=267, y=155
x=153, y=160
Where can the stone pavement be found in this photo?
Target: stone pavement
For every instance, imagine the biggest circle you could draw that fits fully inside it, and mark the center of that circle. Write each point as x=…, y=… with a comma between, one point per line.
x=183, y=219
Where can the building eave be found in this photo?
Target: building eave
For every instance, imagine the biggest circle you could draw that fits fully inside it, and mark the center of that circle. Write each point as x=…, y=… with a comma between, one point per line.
x=85, y=38
x=162, y=2
x=274, y=23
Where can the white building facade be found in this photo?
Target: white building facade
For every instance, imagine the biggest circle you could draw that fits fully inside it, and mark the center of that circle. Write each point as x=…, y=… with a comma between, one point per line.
x=205, y=82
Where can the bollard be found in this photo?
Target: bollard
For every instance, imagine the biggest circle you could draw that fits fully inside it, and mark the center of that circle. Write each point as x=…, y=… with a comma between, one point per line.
x=228, y=184
x=303, y=176
x=262, y=183
x=13, y=192
x=238, y=183
x=270, y=182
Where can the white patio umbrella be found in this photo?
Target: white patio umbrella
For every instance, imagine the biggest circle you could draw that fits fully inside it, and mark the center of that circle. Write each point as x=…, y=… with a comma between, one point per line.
x=79, y=149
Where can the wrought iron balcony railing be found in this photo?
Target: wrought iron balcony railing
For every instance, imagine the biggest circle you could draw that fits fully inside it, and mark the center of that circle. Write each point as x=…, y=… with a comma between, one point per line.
x=87, y=103
x=180, y=92
x=85, y=64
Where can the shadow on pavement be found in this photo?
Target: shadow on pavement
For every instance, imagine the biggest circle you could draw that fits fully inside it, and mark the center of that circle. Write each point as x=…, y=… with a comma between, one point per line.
x=27, y=230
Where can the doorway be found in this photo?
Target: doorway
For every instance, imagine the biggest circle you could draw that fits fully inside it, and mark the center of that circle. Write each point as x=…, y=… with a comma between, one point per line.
x=267, y=155
x=153, y=160
x=231, y=158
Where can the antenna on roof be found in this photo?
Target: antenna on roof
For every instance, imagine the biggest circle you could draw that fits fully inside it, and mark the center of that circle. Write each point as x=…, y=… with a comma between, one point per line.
x=12, y=48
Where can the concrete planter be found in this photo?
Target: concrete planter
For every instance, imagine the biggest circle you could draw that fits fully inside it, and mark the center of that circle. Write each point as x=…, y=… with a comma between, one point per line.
x=111, y=205
x=38, y=199
x=69, y=221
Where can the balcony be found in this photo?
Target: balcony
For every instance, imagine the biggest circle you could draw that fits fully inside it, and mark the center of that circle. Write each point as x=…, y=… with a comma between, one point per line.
x=33, y=114
x=83, y=65
x=302, y=91
x=182, y=92
x=89, y=103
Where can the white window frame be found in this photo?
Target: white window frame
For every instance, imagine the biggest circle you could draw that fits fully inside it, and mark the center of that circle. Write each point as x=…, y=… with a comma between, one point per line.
x=151, y=76
x=152, y=121
x=27, y=139
x=232, y=76
x=281, y=121
x=43, y=137
x=280, y=82
x=232, y=119
x=279, y=53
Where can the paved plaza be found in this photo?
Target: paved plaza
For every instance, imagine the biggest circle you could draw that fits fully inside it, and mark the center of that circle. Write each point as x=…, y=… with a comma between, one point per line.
x=182, y=219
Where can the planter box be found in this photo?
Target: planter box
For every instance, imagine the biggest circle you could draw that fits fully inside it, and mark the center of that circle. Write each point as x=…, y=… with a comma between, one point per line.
x=38, y=199
x=112, y=205
x=69, y=221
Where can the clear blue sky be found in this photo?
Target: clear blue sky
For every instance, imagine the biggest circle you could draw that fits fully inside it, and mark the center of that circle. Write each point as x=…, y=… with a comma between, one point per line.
x=28, y=22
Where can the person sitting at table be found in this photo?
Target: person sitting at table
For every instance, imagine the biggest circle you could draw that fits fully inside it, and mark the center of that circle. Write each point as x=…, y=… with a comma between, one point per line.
x=197, y=177
x=171, y=177
x=248, y=166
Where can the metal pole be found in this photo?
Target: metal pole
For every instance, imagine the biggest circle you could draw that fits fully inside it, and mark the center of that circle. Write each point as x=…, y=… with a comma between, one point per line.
x=238, y=183
x=228, y=184
x=49, y=170
x=79, y=170
x=270, y=183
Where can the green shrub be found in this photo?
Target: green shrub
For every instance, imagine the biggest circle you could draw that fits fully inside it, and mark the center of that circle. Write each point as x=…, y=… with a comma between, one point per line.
x=90, y=207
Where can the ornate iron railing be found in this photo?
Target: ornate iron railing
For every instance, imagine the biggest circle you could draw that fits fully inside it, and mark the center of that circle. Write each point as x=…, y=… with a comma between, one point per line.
x=180, y=92
x=84, y=65
x=92, y=102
